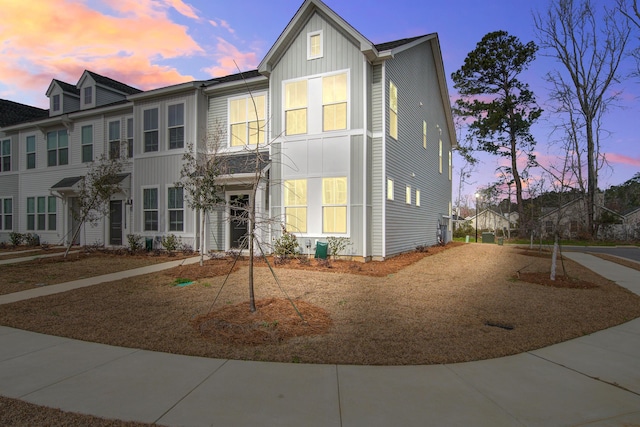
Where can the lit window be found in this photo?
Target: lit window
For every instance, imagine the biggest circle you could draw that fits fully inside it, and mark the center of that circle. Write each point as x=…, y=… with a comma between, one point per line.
x=334, y=102
x=150, y=208
x=450, y=166
x=295, y=205
x=176, y=209
x=5, y=155
x=424, y=134
x=334, y=205
x=314, y=45
x=389, y=189
x=407, y=195
x=440, y=155
x=295, y=107
x=150, y=123
x=247, y=120
x=114, y=139
x=6, y=214
x=417, y=197
x=57, y=148
x=393, y=110
x=88, y=95
x=176, y=126
x=31, y=152
x=87, y=143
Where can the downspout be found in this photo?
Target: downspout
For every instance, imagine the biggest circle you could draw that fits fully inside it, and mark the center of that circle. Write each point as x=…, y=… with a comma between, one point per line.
x=365, y=168
x=384, y=159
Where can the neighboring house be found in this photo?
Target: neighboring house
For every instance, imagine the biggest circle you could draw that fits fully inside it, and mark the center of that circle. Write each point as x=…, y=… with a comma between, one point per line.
x=570, y=220
x=631, y=225
x=355, y=137
x=492, y=220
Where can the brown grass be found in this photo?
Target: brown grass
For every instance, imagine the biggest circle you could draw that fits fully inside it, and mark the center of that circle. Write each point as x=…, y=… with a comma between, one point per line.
x=458, y=305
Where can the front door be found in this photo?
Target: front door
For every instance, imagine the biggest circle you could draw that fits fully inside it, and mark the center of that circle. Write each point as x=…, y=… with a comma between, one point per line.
x=239, y=224
x=115, y=222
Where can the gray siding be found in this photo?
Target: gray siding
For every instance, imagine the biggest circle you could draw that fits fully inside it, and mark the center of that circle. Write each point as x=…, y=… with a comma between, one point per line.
x=9, y=189
x=104, y=96
x=407, y=162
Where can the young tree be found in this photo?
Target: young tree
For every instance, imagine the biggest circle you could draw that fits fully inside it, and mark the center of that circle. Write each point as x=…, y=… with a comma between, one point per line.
x=500, y=107
x=589, y=46
x=199, y=179
x=95, y=190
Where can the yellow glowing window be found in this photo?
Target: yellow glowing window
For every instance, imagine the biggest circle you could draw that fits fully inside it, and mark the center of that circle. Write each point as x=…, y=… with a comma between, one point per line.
x=440, y=155
x=295, y=205
x=393, y=110
x=334, y=205
x=417, y=197
x=295, y=107
x=408, y=195
x=424, y=134
x=334, y=102
x=450, y=166
x=389, y=189
x=315, y=45
x=247, y=120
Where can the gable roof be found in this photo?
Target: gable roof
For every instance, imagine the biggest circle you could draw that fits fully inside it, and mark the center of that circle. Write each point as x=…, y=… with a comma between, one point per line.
x=12, y=113
x=66, y=87
x=397, y=43
x=110, y=83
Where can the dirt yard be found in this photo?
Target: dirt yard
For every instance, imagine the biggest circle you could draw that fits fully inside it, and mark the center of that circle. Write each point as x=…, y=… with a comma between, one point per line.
x=467, y=302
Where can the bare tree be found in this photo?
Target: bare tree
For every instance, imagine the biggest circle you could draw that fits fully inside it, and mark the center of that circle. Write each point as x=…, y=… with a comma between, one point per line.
x=590, y=45
x=632, y=13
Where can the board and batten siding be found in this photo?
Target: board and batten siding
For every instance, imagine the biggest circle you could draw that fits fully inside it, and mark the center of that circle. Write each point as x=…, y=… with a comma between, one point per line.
x=414, y=73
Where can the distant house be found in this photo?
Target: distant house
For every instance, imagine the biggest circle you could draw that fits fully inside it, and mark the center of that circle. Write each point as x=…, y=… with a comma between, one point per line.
x=358, y=137
x=493, y=220
x=631, y=225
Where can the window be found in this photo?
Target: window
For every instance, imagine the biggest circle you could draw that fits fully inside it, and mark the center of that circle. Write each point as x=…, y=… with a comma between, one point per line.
x=295, y=205
x=393, y=110
x=87, y=144
x=247, y=122
x=407, y=194
x=31, y=210
x=424, y=134
x=176, y=126
x=314, y=45
x=176, y=209
x=150, y=208
x=114, y=139
x=334, y=205
x=334, y=102
x=150, y=123
x=6, y=214
x=56, y=103
x=440, y=155
x=450, y=166
x=130, y=138
x=57, y=148
x=296, y=107
x=389, y=189
x=51, y=212
x=42, y=213
x=5, y=155
x=417, y=197
x=31, y=152
x=88, y=95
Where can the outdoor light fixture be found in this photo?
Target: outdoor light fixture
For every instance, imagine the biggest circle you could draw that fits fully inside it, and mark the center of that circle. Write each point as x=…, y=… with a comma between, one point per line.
x=477, y=195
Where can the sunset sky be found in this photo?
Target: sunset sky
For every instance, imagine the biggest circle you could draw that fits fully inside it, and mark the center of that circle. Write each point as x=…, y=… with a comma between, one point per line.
x=154, y=43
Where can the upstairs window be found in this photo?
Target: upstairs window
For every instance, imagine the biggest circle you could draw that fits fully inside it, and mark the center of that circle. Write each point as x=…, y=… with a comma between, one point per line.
x=114, y=139
x=5, y=155
x=424, y=134
x=31, y=152
x=389, y=189
x=314, y=45
x=393, y=110
x=88, y=95
x=57, y=148
x=87, y=144
x=295, y=107
x=295, y=205
x=440, y=155
x=130, y=138
x=176, y=209
x=6, y=214
x=417, y=197
x=334, y=102
x=334, y=205
x=150, y=123
x=176, y=126
x=407, y=195
x=55, y=103
x=247, y=120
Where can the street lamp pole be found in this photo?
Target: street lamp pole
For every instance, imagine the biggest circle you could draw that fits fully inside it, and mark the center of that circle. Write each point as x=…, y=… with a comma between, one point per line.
x=477, y=195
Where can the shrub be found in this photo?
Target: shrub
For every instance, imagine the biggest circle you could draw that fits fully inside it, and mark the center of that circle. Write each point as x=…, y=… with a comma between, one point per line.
x=32, y=239
x=464, y=229
x=286, y=245
x=171, y=243
x=16, y=238
x=336, y=245
x=135, y=242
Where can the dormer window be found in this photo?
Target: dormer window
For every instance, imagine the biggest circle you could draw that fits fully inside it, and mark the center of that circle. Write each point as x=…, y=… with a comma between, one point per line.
x=88, y=95
x=55, y=103
x=315, y=45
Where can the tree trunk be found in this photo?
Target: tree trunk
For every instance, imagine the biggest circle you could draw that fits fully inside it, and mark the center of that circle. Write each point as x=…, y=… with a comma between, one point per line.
x=592, y=185
x=202, y=221
x=554, y=257
x=252, y=222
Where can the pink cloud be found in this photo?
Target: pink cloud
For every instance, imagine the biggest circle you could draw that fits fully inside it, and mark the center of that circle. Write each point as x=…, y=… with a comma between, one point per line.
x=227, y=56
x=222, y=23
x=622, y=159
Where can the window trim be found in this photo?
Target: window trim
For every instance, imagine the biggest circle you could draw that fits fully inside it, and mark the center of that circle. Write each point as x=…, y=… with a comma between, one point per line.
x=176, y=126
x=171, y=209
x=84, y=144
x=30, y=154
x=151, y=130
x=287, y=109
x=4, y=216
x=156, y=209
x=310, y=36
x=393, y=113
x=249, y=119
x=344, y=205
x=334, y=103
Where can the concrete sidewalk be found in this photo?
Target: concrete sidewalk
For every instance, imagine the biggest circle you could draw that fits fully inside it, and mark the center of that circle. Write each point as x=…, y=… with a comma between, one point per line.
x=593, y=380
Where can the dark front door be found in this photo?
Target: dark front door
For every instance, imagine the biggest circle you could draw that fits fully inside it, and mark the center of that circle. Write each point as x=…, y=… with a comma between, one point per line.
x=115, y=222
x=239, y=225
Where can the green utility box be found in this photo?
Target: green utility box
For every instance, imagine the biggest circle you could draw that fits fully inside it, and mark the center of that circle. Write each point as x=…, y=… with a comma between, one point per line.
x=488, y=238
x=148, y=244
x=321, y=250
